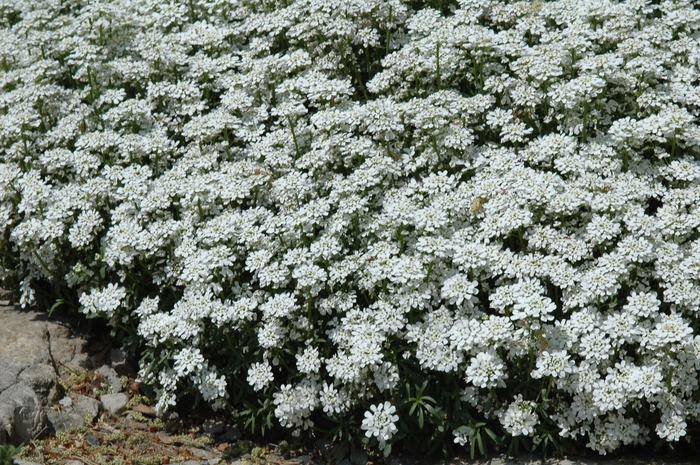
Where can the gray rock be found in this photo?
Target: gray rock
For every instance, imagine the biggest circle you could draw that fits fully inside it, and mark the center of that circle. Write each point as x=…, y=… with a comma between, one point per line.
x=338, y=452
x=114, y=403
x=324, y=446
x=24, y=462
x=42, y=379
x=120, y=363
x=304, y=458
x=73, y=462
x=214, y=426
x=203, y=454
x=30, y=348
x=233, y=434
x=83, y=405
x=21, y=415
x=62, y=421
x=112, y=378
x=9, y=371
x=345, y=462
x=358, y=456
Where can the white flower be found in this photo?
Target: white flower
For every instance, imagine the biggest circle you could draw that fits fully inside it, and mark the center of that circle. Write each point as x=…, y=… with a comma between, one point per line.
x=672, y=426
x=308, y=361
x=187, y=361
x=83, y=231
x=333, y=400
x=486, y=370
x=556, y=364
x=380, y=421
x=460, y=289
x=211, y=386
x=107, y=300
x=519, y=418
x=260, y=375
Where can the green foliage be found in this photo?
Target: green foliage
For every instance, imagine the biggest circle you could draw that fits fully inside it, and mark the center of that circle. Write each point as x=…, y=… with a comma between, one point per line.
x=7, y=452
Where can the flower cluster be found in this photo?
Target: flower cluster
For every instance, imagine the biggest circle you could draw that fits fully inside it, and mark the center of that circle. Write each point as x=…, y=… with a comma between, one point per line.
x=326, y=206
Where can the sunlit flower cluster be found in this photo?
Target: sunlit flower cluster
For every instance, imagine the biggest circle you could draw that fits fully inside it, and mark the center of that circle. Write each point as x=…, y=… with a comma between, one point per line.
x=319, y=205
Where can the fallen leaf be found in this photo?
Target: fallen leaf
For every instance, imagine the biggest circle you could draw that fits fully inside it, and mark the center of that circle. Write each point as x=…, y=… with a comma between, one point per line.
x=202, y=454
x=163, y=437
x=222, y=447
x=166, y=460
x=144, y=409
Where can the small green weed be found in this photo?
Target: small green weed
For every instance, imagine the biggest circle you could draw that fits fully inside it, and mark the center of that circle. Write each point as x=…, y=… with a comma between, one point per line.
x=7, y=452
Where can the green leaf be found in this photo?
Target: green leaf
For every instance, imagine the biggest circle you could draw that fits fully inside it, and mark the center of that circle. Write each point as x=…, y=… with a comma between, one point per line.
x=493, y=436
x=58, y=303
x=480, y=443
x=387, y=450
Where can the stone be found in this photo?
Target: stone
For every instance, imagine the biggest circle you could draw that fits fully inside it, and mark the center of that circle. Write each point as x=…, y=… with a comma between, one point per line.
x=9, y=371
x=24, y=339
x=338, y=452
x=42, y=379
x=21, y=415
x=164, y=437
x=66, y=402
x=304, y=458
x=83, y=405
x=92, y=440
x=24, y=462
x=73, y=462
x=112, y=378
x=31, y=351
x=203, y=454
x=345, y=462
x=233, y=434
x=358, y=456
x=114, y=403
x=324, y=446
x=213, y=426
x=119, y=362
x=62, y=421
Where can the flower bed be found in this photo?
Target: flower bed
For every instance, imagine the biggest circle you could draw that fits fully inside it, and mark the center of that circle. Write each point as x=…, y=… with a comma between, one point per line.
x=439, y=222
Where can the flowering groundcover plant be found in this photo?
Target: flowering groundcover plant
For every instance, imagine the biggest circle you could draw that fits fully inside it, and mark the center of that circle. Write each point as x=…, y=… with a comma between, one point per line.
x=437, y=222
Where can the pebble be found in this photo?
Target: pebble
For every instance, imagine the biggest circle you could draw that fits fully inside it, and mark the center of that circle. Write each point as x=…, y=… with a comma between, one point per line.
x=114, y=403
x=112, y=378
x=214, y=426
